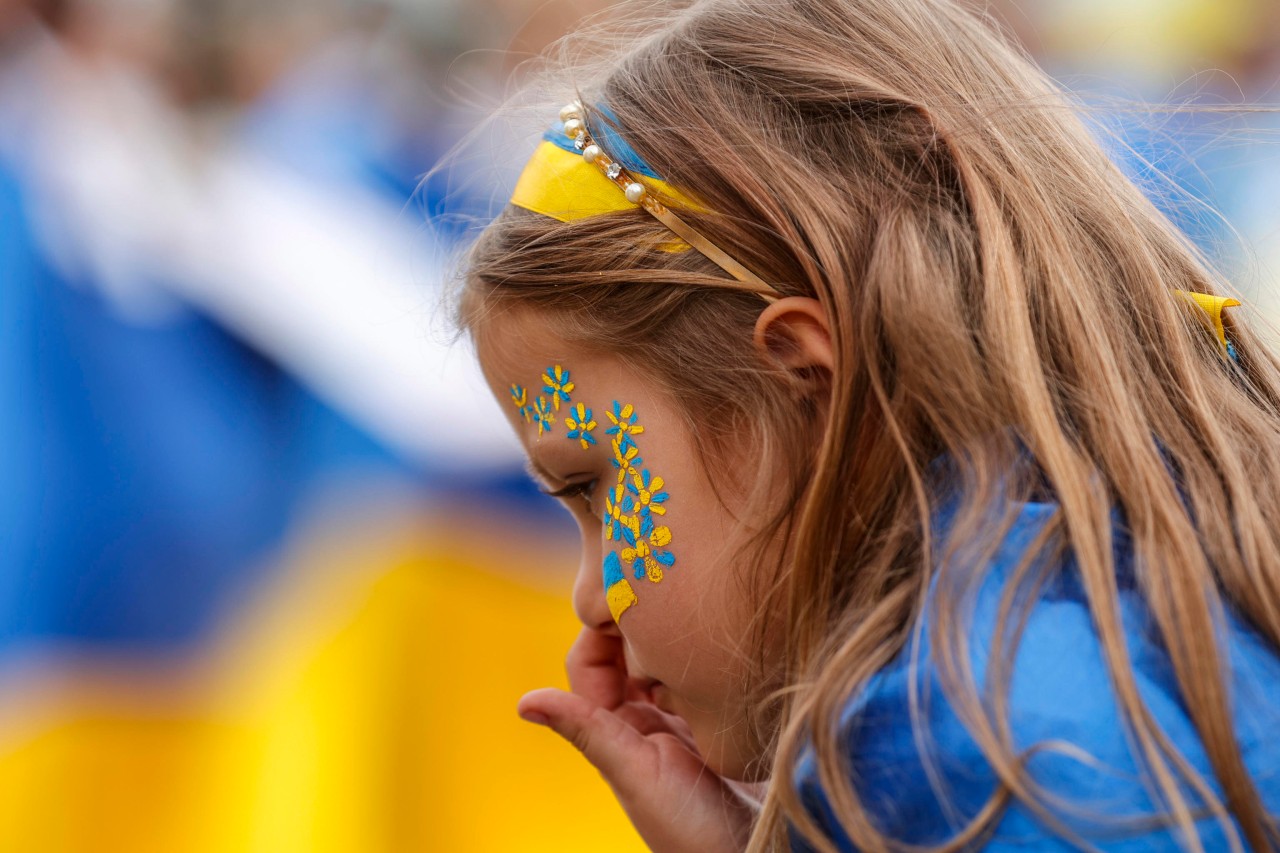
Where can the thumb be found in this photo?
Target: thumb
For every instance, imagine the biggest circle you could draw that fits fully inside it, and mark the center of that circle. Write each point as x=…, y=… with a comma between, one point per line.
x=614, y=747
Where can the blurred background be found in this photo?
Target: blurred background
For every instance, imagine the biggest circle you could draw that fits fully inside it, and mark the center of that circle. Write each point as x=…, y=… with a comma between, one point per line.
x=271, y=576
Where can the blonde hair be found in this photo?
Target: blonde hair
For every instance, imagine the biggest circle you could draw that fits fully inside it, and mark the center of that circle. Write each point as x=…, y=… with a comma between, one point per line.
x=996, y=290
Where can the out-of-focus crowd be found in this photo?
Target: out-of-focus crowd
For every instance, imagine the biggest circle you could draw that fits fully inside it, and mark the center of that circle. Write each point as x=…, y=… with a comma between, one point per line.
x=257, y=162
x=261, y=160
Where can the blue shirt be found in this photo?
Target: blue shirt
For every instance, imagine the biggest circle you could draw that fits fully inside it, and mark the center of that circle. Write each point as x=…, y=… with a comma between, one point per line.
x=1059, y=692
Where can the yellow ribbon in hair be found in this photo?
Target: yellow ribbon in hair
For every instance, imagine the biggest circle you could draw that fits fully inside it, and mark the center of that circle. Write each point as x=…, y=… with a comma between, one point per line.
x=560, y=182
x=562, y=185
x=1212, y=307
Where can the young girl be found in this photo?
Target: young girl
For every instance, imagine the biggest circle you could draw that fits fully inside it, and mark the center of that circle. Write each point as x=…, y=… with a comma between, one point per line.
x=920, y=473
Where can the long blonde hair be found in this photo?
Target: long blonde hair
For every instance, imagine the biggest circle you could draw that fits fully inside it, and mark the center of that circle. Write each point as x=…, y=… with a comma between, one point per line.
x=996, y=289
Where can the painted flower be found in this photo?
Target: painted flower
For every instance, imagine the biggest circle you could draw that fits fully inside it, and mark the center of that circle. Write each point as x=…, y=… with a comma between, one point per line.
x=542, y=416
x=520, y=398
x=626, y=460
x=624, y=424
x=616, y=504
x=580, y=425
x=648, y=493
x=643, y=552
x=556, y=383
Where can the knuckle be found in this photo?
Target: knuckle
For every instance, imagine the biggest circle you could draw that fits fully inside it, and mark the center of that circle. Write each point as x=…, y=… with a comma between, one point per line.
x=582, y=741
x=586, y=737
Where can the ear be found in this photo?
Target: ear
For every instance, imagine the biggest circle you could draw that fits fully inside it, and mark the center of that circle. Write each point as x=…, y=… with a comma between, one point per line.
x=793, y=333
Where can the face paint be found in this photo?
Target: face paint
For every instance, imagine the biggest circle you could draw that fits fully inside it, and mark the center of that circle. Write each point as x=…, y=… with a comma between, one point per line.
x=624, y=424
x=542, y=416
x=617, y=506
x=580, y=425
x=630, y=508
x=627, y=460
x=617, y=589
x=556, y=383
x=520, y=399
x=631, y=505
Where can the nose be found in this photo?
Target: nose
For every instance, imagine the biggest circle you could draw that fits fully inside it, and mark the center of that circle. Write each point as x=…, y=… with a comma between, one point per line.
x=589, y=602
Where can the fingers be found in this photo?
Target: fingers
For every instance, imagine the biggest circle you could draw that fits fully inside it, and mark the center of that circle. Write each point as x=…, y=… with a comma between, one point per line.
x=648, y=719
x=648, y=772
x=596, y=669
x=616, y=749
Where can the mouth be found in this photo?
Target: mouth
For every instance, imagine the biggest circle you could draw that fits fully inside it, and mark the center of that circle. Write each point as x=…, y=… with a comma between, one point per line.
x=660, y=697
x=643, y=688
x=653, y=692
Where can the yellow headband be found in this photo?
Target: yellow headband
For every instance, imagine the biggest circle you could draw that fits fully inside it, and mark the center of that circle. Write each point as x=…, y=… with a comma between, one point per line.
x=570, y=177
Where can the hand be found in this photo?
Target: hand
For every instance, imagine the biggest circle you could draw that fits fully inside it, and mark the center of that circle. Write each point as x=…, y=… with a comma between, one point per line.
x=648, y=757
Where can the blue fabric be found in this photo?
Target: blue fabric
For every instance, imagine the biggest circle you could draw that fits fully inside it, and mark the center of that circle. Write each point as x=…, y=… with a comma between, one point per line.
x=150, y=472
x=1059, y=691
x=609, y=140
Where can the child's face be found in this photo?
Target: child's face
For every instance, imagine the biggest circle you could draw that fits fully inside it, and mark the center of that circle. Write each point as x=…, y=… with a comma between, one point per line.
x=667, y=547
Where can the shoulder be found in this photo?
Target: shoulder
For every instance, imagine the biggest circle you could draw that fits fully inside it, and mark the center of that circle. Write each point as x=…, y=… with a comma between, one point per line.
x=918, y=768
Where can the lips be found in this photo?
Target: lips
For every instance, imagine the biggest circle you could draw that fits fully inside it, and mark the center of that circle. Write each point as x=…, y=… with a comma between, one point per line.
x=659, y=696
x=656, y=694
x=642, y=688
x=649, y=690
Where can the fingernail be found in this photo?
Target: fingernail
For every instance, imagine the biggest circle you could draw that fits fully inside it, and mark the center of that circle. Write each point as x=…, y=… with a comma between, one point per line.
x=535, y=718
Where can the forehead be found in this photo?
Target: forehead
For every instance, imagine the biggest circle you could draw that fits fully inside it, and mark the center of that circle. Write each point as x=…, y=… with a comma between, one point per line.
x=519, y=345
x=510, y=340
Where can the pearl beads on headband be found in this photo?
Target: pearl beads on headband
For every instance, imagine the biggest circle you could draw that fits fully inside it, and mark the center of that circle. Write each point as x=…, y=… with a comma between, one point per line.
x=576, y=129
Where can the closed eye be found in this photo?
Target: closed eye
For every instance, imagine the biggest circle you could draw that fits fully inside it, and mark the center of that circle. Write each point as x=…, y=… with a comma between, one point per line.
x=574, y=490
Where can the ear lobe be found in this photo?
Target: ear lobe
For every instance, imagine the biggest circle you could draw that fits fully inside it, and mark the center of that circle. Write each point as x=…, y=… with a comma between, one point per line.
x=793, y=333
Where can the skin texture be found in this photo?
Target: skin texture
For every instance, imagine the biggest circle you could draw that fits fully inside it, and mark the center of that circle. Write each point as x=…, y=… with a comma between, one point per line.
x=656, y=699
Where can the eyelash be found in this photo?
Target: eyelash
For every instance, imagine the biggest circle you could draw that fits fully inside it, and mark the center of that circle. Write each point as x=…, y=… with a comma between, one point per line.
x=582, y=490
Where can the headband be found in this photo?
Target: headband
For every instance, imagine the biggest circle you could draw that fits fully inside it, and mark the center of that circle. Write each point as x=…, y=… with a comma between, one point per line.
x=570, y=176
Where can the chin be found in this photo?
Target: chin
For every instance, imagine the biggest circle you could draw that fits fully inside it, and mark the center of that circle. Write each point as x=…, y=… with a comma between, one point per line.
x=730, y=757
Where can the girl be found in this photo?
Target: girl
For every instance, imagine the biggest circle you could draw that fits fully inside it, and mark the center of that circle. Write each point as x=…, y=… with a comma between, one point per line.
x=919, y=471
